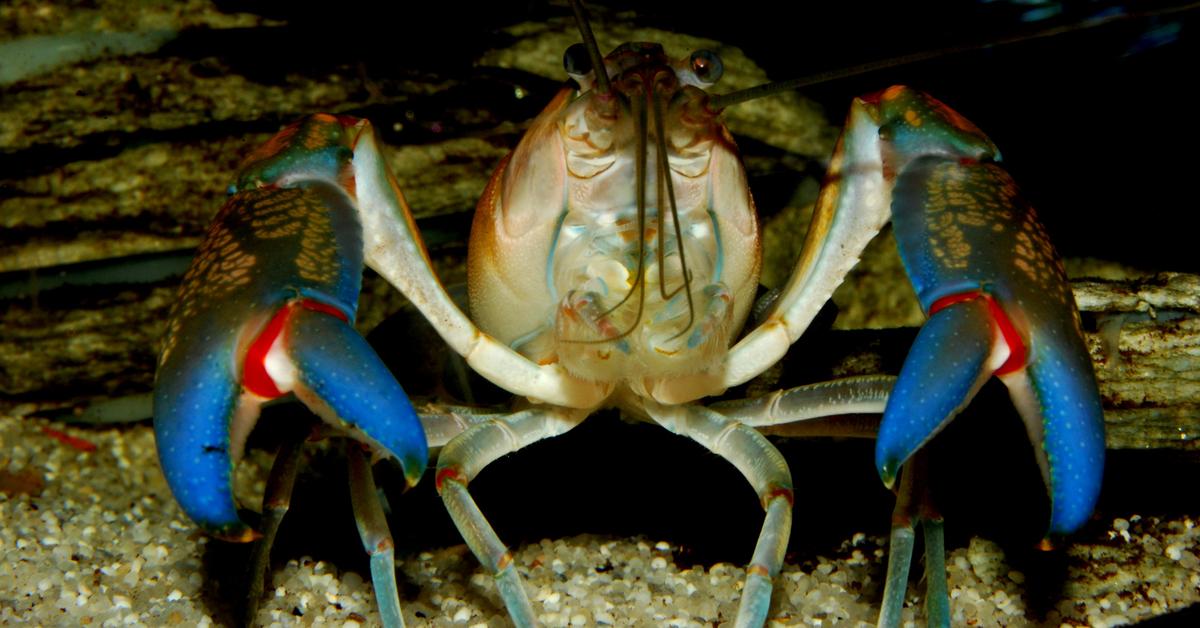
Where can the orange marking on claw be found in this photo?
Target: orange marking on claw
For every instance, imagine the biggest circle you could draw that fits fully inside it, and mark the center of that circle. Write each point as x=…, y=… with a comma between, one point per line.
x=827, y=201
x=316, y=137
x=273, y=146
x=890, y=93
x=952, y=299
x=324, y=308
x=955, y=118
x=347, y=181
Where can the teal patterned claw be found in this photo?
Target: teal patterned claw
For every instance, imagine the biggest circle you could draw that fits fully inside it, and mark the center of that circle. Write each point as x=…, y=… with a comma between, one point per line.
x=997, y=300
x=266, y=309
x=998, y=303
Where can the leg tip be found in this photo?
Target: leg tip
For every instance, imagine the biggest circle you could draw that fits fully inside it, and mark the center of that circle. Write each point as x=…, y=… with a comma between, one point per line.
x=236, y=533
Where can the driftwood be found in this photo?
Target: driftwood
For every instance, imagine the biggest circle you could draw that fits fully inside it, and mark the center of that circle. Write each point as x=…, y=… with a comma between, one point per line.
x=1147, y=358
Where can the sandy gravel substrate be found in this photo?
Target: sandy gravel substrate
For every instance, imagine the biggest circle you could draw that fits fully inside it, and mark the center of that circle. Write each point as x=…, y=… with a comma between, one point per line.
x=93, y=538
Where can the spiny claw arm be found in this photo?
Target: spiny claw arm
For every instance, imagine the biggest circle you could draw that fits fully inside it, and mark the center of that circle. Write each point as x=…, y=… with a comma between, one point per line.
x=394, y=249
x=854, y=204
x=984, y=272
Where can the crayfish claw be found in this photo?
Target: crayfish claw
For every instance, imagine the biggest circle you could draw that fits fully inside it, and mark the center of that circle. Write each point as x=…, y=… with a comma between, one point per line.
x=945, y=367
x=998, y=300
x=196, y=400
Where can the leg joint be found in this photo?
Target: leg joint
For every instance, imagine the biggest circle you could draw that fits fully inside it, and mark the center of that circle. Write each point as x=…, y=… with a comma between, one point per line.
x=778, y=491
x=452, y=473
x=504, y=562
x=757, y=569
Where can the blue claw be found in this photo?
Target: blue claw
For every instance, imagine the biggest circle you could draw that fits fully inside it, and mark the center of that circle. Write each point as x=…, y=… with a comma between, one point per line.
x=195, y=401
x=945, y=367
x=1065, y=411
x=274, y=285
x=341, y=371
x=998, y=300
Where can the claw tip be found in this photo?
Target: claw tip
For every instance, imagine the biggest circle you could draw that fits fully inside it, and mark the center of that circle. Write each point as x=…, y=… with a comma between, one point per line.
x=887, y=473
x=414, y=469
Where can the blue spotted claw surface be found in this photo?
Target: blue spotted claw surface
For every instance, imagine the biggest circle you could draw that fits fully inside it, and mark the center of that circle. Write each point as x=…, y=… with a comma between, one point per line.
x=267, y=308
x=997, y=298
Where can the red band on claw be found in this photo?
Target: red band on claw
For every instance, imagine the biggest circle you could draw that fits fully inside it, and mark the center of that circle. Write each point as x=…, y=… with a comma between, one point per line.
x=254, y=376
x=1018, y=352
x=324, y=308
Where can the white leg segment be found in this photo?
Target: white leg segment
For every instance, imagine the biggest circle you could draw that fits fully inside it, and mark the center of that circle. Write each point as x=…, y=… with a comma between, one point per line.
x=442, y=424
x=854, y=204
x=464, y=457
x=765, y=469
x=376, y=536
x=393, y=247
x=865, y=394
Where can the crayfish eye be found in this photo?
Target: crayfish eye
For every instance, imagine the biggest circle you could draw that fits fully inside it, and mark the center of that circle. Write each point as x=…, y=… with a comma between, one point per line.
x=576, y=60
x=707, y=66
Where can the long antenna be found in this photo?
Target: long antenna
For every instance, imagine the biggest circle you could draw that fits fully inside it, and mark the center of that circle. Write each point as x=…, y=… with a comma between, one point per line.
x=732, y=98
x=589, y=41
x=664, y=175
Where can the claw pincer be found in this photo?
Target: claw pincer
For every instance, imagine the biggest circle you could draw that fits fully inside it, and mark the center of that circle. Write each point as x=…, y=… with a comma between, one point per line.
x=997, y=299
x=267, y=308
